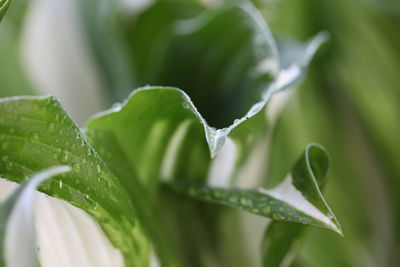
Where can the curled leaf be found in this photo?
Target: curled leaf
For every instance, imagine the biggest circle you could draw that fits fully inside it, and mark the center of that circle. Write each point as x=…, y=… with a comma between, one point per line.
x=17, y=233
x=36, y=133
x=3, y=7
x=297, y=199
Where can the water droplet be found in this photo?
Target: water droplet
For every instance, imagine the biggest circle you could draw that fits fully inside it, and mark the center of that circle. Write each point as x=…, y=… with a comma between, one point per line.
x=34, y=136
x=51, y=127
x=98, y=167
x=76, y=167
x=9, y=165
x=233, y=199
x=218, y=193
x=255, y=210
x=89, y=152
x=4, y=145
x=277, y=216
x=246, y=202
x=116, y=107
x=266, y=210
x=64, y=157
x=192, y=191
x=60, y=184
x=186, y=105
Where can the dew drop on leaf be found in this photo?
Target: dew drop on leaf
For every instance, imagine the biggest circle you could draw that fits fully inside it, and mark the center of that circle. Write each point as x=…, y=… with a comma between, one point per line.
x=192, y=191
x=9, y=165
x=233, y=199
x=76, y=167
x=266, y=210
x=64, y=157
x=246, y=202
x=34, y=136
x=218, y=193
x=4, y=145
x=186, y=105
x=51, y=127
x=98, y=167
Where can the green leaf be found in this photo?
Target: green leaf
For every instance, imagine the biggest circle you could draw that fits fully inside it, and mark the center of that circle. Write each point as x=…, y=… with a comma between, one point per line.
x=17, y=233
x=174, y=129
x=297, y=199
x=229, y=74
x=295, y=58
x=281, y=243
x=13, y=79
x=144, y=201
x=160, y=133
x=281, y=239
x=224, y=58
x=98, y=21
x=36, y=133
x=3, y=8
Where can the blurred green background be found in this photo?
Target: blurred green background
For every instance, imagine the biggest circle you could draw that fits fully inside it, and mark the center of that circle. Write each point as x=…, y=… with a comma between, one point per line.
x=349, y=102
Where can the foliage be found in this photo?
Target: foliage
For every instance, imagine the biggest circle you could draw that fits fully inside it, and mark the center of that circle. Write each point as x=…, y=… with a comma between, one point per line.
x=178, y=171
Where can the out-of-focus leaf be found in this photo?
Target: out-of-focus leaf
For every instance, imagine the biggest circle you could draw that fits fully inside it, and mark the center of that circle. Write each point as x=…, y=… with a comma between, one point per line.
x=295, y=58
x=3, y=7
x=12, y=77
x=104, y=38
x=280, y=244
x=36, y=133
x=351, y=96
x=13, y=80
x=17, y=233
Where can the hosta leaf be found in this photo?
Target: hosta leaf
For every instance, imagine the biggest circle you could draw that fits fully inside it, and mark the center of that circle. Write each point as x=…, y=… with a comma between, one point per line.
x=13, y=80
x=98, y=19
x=280, y=244
x=281, y=239
x=36, y=133
x=296, y=199
x=144, y=127
x=224, y=58
x=3, y=7
x=115, y=156
x=175, y=139
x=295, y=58
x=174, y=129
x=17, y=233
x=228, y=74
